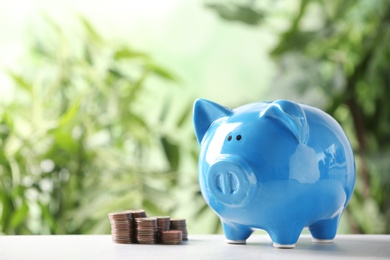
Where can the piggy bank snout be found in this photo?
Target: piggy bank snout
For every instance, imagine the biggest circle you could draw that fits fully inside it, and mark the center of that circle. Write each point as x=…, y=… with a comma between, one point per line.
x=231, y=181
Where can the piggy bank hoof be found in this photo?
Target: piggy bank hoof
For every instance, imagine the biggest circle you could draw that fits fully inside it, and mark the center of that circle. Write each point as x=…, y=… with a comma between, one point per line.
x=323, y=241
x=236, y=242
x=284, y=246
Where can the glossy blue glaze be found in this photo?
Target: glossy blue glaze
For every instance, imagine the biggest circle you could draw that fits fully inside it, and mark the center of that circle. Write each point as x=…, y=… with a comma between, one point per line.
x=278, y=166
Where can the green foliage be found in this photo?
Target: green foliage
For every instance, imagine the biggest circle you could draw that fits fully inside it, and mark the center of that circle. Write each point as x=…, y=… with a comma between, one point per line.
x=245, y=13
x=78, y=141
x=341, y=49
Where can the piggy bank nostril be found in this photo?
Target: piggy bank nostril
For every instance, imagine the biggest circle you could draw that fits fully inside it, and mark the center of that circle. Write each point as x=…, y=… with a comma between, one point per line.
x=226, y=183
x=219, y=183
x=229, y=138
x=233, y=182
x=238, y=137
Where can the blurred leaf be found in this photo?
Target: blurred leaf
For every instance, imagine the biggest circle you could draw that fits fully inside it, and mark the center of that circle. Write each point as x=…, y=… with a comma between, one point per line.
x=164, y=110
x=54, y=25
x=138, y=121
x=116, y=73
x=294, y=38
x=186, y=114
x=70, y=114
x=161, y=72
x=20, y=81
x=194, y=154
x=88, y=55
x=94, y=36
x=137, y=87
x=65, y=141
x=238, y=12
x=125, y=53
x=47, y=216
x=41, y=50
x=6, y=210
x=171, y=152
x=19, y=215
x=293, y=41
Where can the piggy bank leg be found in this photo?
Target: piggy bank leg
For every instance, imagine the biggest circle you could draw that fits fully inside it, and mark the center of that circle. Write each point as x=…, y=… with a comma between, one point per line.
x=285, y=236
x=324, y=231
x=236, y=234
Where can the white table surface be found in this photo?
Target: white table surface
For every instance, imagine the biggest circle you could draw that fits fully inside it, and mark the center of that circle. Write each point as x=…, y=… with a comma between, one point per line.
x=96, y=247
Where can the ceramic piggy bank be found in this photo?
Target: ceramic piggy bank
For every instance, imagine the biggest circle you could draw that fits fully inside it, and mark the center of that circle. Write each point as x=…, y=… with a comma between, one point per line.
x=278, y=166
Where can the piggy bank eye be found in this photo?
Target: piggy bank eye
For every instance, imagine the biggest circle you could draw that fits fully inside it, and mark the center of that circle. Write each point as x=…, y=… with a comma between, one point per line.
x=238, y=138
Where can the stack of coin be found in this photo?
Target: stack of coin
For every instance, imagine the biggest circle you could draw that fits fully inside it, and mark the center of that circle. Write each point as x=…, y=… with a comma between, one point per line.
x=136, y=213
x=146, y=230
x=163, y=224
x=180, y=224
x=121, y=227
x=133, y=226
x=171, y=237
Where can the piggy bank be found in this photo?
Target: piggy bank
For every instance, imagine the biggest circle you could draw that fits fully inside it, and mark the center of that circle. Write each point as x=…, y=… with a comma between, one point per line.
x=277, y=166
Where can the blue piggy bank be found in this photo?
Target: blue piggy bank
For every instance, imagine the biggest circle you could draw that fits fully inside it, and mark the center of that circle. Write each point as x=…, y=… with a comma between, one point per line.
x=278, y=166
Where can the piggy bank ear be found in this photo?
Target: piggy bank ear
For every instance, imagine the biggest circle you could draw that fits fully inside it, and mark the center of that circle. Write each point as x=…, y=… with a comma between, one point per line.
x=205, y=113
x=291, y=115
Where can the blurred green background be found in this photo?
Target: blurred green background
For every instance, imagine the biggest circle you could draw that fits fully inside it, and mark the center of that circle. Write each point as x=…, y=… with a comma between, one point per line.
x=96, y=100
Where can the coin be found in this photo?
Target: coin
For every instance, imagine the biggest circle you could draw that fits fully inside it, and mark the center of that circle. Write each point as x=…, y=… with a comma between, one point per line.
x=134, y=226
x=121, y=227
x=163, y=223
x=137, y=213
x=171, y=237
x=146, y=230
x=179, y=224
